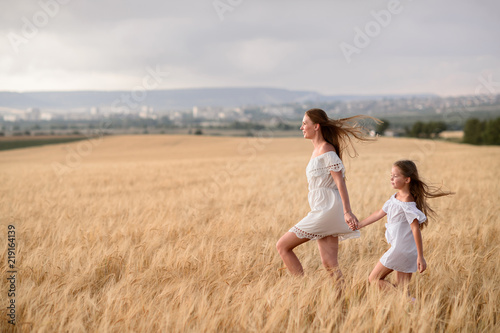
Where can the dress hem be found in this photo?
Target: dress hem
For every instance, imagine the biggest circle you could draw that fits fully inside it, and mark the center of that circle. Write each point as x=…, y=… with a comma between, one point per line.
x=342, y=236
x=396, y=270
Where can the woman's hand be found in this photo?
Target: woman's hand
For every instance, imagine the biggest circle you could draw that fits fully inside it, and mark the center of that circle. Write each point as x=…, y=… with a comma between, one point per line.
x=351, y=220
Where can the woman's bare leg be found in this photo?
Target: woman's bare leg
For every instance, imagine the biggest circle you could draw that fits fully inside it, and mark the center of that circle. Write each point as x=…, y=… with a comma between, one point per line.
x=378, y=276
x=285, y=247
x=328, y=250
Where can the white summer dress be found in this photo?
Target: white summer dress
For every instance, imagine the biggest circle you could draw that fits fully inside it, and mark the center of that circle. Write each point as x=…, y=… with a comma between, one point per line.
x=402, y=256
x=326, y=217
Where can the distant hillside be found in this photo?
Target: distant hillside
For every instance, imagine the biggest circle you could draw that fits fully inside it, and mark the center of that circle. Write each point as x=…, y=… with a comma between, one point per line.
x=170, y=99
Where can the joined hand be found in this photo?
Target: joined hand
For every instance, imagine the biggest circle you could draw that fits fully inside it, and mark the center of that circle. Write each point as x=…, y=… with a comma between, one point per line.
x=351, y=220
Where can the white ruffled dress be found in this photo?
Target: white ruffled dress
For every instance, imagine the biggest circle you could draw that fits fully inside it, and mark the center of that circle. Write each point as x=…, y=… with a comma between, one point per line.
x=326, y=217
x=402, y=256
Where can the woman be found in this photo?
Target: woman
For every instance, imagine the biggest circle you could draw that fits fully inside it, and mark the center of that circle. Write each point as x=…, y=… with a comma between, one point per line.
x=331, y=217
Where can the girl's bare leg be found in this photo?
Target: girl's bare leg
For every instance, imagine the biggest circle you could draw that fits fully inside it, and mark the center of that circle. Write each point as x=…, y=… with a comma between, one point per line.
x=403, y=279
x=378, y=275
x=285, y=247
x=328, y=250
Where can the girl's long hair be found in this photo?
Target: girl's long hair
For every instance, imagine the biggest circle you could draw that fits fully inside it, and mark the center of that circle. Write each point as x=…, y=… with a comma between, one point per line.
x=419, y=189
x=339, y=132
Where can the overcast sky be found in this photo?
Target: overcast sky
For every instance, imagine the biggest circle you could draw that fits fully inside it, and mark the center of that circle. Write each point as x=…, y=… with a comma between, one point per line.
x=332, y=47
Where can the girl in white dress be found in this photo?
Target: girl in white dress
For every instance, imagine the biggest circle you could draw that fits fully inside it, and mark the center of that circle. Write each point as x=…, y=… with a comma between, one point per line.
x=406, y=213
x=330, y=218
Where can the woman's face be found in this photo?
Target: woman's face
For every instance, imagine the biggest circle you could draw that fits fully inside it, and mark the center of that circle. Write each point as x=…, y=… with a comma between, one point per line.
x=307, y=127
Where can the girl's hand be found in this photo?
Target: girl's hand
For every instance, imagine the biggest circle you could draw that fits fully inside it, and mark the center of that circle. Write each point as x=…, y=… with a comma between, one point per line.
x=421, y=264
x=351, y=220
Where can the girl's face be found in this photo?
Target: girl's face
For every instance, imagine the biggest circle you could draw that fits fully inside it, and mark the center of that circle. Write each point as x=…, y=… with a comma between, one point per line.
x=308, y=128
x=398, y=180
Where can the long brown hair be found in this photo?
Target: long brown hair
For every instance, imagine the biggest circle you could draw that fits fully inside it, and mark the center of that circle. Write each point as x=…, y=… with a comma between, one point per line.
x=339, y=132
x=419, y=189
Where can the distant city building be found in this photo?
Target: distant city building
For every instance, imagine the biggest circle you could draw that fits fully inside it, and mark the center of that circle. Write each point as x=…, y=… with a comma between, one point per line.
x=94, y=111
x=46, y=116
x=10, y=117
x=33, y=114
x=147, y=113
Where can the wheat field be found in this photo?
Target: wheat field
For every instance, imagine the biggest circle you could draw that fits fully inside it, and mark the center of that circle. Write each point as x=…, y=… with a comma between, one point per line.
x=177, y=234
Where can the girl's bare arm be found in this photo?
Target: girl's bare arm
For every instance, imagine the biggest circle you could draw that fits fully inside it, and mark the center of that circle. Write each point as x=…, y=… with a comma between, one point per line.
x=415, y=229
x=374, y=217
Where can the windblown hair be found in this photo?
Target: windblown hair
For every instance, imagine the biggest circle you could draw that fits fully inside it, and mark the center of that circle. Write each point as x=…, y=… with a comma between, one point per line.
x=420, y=190
x=339, y=132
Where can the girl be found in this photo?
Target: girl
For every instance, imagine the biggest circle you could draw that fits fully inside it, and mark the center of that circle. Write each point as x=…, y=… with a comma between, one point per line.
x=331, y=217
x=406, y=214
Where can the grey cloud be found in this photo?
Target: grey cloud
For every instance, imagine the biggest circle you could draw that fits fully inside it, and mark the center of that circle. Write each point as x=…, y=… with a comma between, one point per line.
x=289, y=44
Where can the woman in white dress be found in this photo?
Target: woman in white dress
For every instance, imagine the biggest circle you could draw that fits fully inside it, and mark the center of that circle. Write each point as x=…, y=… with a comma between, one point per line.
x=331, y=218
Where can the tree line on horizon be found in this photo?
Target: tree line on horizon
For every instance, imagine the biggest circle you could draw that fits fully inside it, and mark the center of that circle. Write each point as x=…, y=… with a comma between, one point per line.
x=476, y=132
x=419, y=129
x=486, y=132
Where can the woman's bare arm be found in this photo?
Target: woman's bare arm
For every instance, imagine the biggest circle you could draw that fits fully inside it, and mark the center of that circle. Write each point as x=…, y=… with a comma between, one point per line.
x=349, y=217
